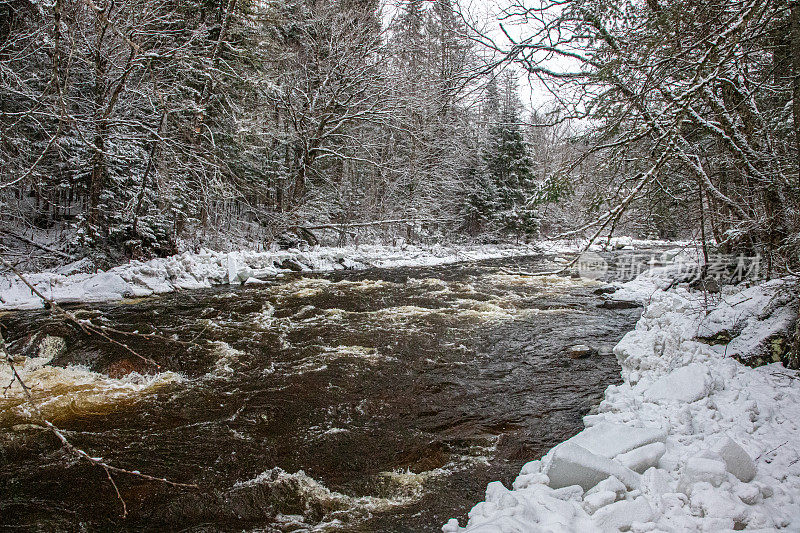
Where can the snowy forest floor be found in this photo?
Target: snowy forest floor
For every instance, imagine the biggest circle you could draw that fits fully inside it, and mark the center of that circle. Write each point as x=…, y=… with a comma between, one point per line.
x=692, y=440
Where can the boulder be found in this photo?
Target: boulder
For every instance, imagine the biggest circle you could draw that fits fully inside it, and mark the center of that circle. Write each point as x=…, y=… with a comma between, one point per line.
x=709, y=285
x=291, y=264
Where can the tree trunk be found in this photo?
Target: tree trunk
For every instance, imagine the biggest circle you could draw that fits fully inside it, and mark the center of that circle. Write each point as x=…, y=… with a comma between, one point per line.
x=97, y=178
x=794, y=14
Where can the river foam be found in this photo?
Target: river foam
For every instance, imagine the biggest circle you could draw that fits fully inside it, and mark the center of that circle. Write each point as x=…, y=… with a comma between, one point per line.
x=73, y=391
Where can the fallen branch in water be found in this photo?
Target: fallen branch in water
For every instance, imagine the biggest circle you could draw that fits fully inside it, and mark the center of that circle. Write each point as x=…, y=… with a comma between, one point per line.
x=97, y=461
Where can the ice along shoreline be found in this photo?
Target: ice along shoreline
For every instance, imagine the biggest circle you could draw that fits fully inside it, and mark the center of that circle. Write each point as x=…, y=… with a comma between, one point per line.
x=206, y=268
x=690, y=441
x=210, y=268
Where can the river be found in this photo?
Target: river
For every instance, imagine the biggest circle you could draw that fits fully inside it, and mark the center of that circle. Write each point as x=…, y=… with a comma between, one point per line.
x=378, y=400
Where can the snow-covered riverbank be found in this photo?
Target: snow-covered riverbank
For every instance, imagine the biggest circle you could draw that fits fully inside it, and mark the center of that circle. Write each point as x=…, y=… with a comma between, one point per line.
x=691, y=441
x=209, y=268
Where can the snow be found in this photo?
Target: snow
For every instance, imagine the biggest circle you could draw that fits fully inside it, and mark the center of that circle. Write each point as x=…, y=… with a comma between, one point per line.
x=736, y=460
x=203, y=269
x=570, y=464
x=691, y=440
x=686, y=384
x=208, y=268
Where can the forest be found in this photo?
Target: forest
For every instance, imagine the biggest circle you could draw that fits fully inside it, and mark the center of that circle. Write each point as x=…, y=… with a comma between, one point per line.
x=135, y=128
x=399, y=265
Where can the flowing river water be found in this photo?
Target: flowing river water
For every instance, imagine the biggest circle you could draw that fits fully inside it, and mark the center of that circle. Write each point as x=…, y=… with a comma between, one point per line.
x=378, y=400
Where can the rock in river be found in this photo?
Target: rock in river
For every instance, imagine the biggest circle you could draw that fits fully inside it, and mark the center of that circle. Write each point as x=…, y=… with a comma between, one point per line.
x=581, y=351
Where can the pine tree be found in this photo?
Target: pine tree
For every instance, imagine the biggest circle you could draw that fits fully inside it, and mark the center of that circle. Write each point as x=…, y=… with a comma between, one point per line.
x=508, y=166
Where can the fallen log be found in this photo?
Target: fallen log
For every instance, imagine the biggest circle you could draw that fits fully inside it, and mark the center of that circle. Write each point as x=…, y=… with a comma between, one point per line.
x=36, y=244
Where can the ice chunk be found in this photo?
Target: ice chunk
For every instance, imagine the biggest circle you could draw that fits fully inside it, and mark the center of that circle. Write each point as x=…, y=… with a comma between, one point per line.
x=737, y=461
x=531, y=467
x=244, y=274
x=571, y=464
x=233, y=269
x=620, y=516
x=702, y=469
x=612, y=484
x=642, y=458
x=610, y=440
x=451, y=526
x=686, y=384
x=101, y=287
x=599, y=499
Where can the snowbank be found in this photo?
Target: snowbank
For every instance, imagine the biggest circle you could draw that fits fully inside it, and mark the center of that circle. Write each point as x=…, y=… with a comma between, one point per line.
x=691, y=441
x=604, y=244
x=208, y=268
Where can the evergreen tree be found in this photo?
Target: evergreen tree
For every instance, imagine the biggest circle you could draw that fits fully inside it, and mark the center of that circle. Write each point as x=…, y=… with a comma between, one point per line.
x=505, y=194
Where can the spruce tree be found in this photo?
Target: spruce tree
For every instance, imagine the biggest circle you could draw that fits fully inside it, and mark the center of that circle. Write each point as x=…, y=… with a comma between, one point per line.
x=508, y=166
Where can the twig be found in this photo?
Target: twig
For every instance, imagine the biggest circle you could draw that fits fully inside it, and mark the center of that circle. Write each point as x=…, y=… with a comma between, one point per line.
x=85, y=325
x=109, y=469
x=772, y=450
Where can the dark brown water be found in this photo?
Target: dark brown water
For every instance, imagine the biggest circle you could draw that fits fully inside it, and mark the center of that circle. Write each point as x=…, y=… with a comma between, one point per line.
x=380, y=400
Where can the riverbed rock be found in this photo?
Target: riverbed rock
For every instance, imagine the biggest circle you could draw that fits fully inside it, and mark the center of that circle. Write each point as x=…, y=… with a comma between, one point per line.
x=121, y=368
x=581, y=351
x=619, y=304
x=608, y=289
